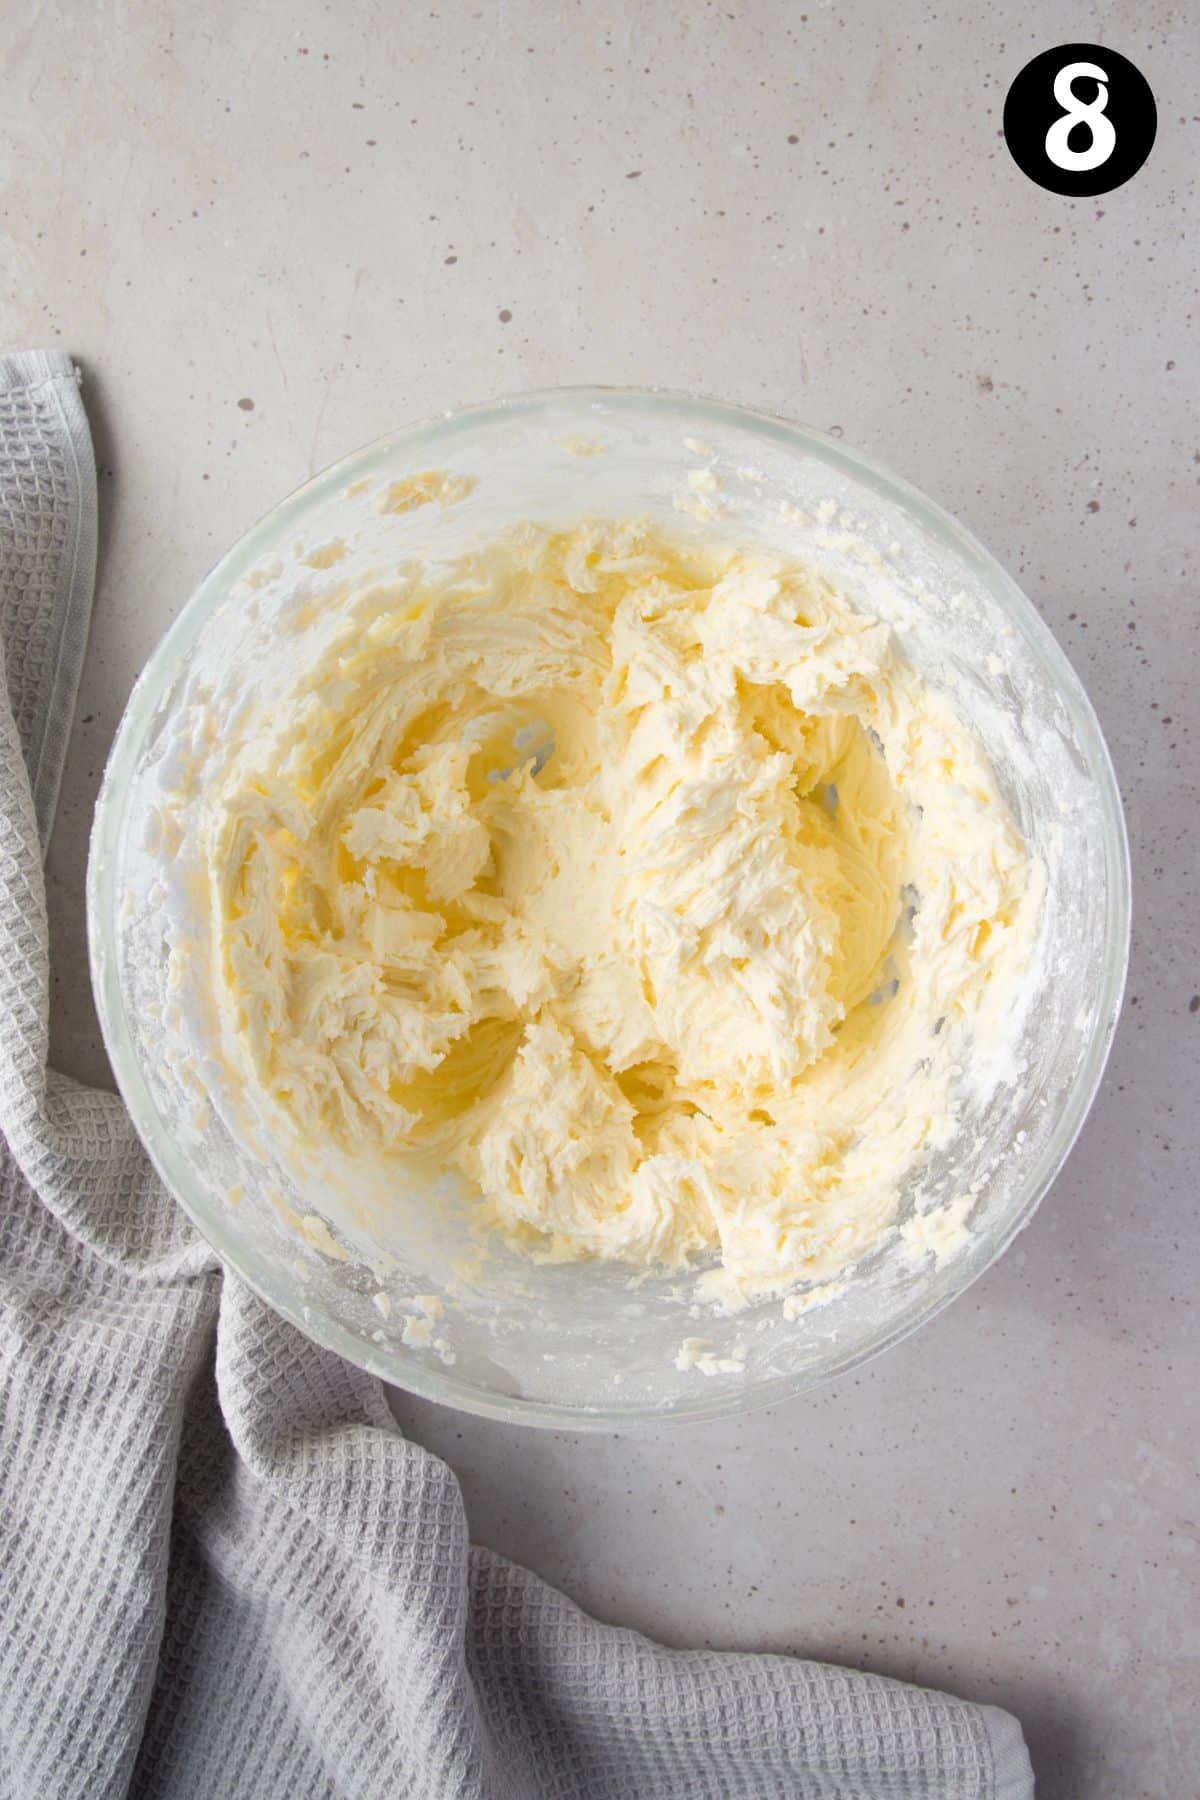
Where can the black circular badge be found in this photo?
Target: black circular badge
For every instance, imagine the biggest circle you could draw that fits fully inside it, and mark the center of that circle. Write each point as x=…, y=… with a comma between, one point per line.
x=1080, y=119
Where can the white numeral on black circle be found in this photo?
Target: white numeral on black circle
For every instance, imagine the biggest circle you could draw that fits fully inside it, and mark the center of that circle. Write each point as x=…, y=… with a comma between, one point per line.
x=1102, y=140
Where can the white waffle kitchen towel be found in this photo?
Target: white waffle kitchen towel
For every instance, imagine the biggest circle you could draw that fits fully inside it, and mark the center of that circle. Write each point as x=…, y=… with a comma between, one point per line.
x=223, y=1571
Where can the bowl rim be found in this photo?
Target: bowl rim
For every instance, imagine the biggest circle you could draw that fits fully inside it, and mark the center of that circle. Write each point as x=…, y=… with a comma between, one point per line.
x=153, y=686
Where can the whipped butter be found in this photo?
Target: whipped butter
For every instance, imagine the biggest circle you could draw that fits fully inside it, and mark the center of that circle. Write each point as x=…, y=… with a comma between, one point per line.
x=635, y=877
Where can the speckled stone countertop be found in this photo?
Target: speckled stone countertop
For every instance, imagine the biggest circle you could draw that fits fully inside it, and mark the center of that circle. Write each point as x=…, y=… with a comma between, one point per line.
x=270, y=233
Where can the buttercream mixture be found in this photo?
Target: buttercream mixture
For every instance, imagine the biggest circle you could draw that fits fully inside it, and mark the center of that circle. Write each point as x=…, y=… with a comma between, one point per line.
x=635, y=877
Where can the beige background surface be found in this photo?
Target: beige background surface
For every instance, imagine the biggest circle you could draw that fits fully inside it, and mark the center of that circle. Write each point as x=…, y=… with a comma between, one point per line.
x=269, y=233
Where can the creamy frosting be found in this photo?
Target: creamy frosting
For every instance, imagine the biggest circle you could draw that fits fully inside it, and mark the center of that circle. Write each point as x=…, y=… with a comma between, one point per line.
x=635, y=877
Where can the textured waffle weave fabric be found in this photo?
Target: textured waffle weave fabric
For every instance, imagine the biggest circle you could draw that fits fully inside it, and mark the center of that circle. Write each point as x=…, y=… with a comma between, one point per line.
x=223, y=1571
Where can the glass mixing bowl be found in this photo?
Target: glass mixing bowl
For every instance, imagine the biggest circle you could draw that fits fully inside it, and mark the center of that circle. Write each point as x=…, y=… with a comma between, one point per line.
x=578, y=1345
